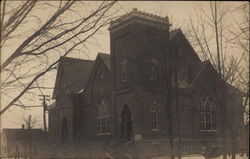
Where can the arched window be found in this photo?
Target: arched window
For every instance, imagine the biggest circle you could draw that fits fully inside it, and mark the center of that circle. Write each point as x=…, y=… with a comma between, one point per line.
x=155, y=118
x=208, y=114
x=102, y=118
x=153, y=72
x=124, y=69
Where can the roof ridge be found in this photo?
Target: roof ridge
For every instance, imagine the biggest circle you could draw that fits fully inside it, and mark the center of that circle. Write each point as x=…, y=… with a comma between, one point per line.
x=74, y=72
x=73, y=58
x=20, y=129
x=203, y=63
x=178, y=29
x=173, y=33
x=106, y=59
x=103, y=53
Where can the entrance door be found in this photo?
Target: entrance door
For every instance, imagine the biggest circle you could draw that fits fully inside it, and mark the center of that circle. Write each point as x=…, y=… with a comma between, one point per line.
x=126, y=123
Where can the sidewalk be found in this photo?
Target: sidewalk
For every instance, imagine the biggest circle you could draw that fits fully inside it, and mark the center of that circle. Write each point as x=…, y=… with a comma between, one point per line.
x=202, y=157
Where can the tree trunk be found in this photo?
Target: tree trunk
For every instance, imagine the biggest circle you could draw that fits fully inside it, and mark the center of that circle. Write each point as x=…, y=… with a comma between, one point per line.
x=224, y=118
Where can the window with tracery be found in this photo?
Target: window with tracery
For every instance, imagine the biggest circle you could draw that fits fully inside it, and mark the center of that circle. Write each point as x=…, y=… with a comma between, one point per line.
x=102, y=118
x=208, y=114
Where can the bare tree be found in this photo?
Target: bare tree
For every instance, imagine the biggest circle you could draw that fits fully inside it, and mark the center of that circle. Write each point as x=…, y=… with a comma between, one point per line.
x=210, y=39
x=240, y=38
x=68, y=27
x=161, y=74
x=30, y=122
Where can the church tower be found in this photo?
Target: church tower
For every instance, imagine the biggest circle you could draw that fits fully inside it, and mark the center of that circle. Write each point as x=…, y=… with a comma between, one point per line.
x=137, y=39
x=133, y=37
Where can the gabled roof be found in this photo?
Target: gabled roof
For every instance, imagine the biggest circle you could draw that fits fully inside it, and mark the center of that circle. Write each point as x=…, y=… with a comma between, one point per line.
x=103, y=60
x=74, y=73
x=51, y=106
x=205, y=67
x=206, y=73
x=106, y=59
x=173, y=33
x=177, y=37
x=202, y=69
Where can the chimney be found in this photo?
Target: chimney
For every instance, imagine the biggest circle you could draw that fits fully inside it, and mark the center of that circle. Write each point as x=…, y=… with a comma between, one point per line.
x=22, y=126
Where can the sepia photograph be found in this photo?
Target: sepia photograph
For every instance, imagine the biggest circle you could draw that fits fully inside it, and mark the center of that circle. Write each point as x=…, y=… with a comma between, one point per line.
x=124, y=79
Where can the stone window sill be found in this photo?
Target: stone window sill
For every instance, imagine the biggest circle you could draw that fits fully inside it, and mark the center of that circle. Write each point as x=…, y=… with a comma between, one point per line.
x=156, y=130
x=210, y=131
x=103, y=134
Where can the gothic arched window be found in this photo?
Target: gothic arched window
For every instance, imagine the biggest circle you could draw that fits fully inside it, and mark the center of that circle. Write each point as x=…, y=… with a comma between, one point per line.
x=153, y=73
x=124, y=69
x=102, y=118
x=155, y=118
x=208, y=114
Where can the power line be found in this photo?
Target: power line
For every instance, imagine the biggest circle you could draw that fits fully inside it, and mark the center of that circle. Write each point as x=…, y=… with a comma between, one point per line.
x=122, y=8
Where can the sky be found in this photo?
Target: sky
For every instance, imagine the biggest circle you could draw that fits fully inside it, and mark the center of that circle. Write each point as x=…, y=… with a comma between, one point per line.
x=179, y=12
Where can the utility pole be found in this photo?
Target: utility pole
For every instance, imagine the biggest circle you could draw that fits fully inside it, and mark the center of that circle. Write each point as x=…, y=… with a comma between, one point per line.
x=44, y=99
x=30, y=140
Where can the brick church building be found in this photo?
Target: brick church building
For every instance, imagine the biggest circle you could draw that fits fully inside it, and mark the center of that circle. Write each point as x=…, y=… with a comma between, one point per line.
x=119, y=101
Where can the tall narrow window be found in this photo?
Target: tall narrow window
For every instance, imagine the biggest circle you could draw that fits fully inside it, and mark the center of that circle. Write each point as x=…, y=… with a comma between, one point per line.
x=179, y=52
x=208, y=115
x=102, y=75
x=102, y=118
x=153, y=72
x=124, y=69
x=155, y=119
x=156, y=149
x=190, y=73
